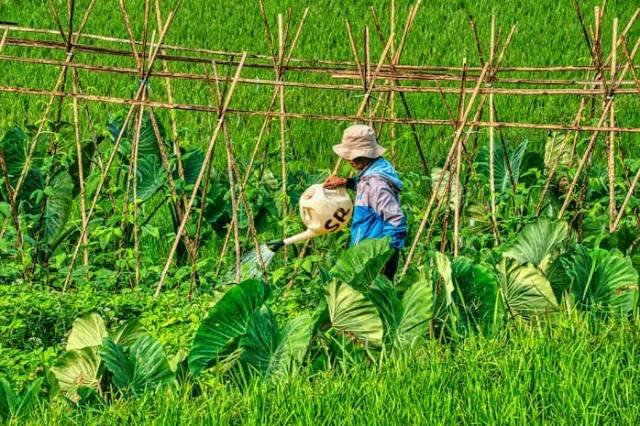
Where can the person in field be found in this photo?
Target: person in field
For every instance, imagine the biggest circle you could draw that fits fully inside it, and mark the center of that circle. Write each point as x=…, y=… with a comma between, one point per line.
x=377, y=212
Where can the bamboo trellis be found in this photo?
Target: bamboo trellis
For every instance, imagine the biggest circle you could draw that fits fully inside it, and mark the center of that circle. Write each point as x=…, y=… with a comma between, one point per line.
x=387, y=79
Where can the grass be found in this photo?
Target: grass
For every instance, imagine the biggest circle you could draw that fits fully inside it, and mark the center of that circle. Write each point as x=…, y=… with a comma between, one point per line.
x=548, y=34
x=566, y=372
x=574, y=369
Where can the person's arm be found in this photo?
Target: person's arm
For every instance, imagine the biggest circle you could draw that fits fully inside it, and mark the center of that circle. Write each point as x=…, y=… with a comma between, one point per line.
x=351, y=183
x=336, y=182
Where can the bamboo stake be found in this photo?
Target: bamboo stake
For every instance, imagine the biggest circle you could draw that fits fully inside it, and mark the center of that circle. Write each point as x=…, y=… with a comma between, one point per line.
x=4, y=38
x=356, y=59
x=434, y=193
x=83, y=205
x=194, y=194
x=611, y=160
x=145, y=33
x=321, y=117
x=457, y=139
x=172, y=115
x=367, y=67
x=283, y=158
x=232, y=185
x=7, y=184
x=456, y=209
x=396, y=53
x=619, y=41
x=264, y=127
x=592, y=142
x=128, y=27
x=112, y=156
x=492, y=118
x=627, y=198
x=134, y=169
x=45, y=115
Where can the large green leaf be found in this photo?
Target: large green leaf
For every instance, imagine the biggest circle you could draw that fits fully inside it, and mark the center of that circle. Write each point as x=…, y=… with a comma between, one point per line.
x=14, y=405
x=13, y=151
x=87, y=151
x=405, y=320
x=384, y=296
x=444, y=270
x=361, y=264
x=477, y=287
x=227, y=320
x=8, y=399
x=148, y=143
x=525, y=290
x=191, y=164
x=537, y=243
x=151, y=177
x=77, y=368
x=454, y=190
x=417, y=310
x=34, y=181
x=353, y=314
x=142, y=367
x=87, y=331
x=602, y=277
x=128, y=333
x=557, y=150
x=273, y=352
x=502, y=177
x=58, y=207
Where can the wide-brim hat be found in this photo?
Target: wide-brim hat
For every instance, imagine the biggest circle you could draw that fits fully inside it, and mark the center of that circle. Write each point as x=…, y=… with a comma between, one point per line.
x=358, y=141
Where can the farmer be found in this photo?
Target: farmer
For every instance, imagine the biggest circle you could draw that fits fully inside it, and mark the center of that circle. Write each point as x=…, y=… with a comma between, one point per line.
x=377, y=212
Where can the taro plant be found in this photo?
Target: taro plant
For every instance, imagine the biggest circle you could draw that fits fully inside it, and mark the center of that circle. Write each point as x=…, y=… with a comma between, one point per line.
x=50, y=185
x=14, y=405
x=583, y=277
x=365, y=309
x=240, y=332
x=133, y=359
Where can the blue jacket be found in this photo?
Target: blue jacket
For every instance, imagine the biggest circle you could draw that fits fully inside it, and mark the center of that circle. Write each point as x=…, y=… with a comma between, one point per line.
x=377, y=211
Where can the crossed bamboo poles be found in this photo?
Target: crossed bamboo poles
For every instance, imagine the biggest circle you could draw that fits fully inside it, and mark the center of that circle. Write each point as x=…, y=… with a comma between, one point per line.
x=389, y=71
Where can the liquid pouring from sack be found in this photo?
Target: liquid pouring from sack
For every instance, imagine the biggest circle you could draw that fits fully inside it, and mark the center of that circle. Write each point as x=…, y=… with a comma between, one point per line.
x=322, y=211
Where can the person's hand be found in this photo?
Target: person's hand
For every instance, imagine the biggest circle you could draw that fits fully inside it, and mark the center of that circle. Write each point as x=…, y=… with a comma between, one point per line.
x=333, y=182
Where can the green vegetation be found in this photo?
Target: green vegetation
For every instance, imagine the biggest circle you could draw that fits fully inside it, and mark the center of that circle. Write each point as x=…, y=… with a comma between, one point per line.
x=536, y=320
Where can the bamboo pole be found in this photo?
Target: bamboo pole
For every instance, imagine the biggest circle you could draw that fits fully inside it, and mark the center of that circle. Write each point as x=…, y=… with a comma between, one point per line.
x=594, y=138
x=457, y=140
x=283, y=124
x=83, y=205
x=315, y=61
x=7, y=184
x=492, y=118
x=350, y=87
x=194, y=194
x=172, y=115
x=434, y=193
x=232, y=185
x=458, y=165
x=134, y=169
x=321, y=117
x=112, y=156
x=356, y=59
x=47, y=110
x=611, y=160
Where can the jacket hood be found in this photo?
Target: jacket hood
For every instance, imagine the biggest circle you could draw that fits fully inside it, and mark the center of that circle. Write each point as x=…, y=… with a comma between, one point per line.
x=383, y=168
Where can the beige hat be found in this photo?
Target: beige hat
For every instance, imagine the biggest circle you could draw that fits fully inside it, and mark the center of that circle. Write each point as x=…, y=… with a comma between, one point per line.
x=358, y=141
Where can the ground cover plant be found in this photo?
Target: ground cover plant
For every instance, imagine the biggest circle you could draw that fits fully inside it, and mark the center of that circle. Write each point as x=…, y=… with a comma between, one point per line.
x=534, y=319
